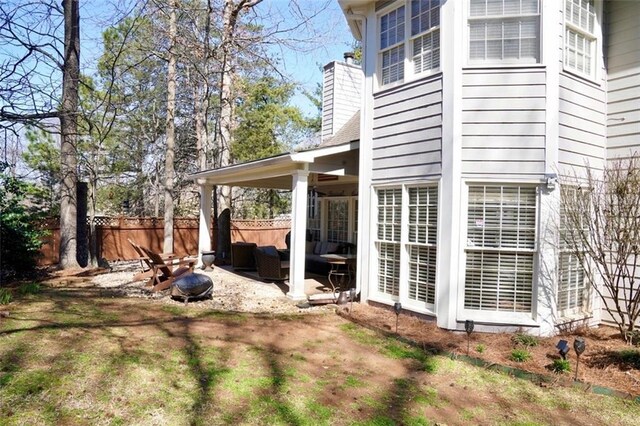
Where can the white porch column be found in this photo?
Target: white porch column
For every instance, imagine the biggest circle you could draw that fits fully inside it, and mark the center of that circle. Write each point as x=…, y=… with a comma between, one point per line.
x=204, y=231
x=300, y=183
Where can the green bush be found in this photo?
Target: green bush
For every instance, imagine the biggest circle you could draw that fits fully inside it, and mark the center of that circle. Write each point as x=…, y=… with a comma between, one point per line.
x=20, y=238
x=520, y=355
x=561, y=365
x=29, y=288
x=480, y=348
x=5, y=296
x=524, y=340
x=630, y=356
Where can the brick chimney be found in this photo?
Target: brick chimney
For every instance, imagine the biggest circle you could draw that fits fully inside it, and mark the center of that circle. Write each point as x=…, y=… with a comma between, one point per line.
x=340, y=94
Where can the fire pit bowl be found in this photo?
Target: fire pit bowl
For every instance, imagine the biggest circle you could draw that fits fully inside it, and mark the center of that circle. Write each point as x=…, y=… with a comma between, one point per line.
x=192, y=286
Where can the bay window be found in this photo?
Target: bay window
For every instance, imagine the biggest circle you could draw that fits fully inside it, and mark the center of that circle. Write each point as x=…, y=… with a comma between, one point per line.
x=501, y=227
x=504, y=31
x=579, y=37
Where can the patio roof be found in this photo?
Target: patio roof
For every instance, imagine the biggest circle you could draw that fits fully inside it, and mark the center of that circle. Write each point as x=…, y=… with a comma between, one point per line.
x=275, y=172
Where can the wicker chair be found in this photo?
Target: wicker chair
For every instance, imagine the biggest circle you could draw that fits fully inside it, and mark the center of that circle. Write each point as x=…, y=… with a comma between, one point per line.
x=270, y=264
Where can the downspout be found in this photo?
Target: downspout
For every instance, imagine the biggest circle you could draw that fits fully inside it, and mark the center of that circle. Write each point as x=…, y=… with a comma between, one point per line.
x=362, y=263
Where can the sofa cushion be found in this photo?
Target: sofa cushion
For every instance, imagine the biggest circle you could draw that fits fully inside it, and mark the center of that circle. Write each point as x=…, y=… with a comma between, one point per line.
x=270, y=250
x=332, y=247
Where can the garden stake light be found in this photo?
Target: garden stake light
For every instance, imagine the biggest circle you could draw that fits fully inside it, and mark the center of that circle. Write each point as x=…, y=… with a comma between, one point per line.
x=352, y=295
x=563, y=348
x=468, y=327
x=579, y=345
x=397, y=307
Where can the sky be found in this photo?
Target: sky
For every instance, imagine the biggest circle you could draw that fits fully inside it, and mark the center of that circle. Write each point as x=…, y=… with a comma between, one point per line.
x=326, y=39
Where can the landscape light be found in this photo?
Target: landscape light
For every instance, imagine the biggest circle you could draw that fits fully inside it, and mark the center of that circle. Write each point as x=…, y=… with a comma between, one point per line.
x=563, y=348
x=579, y=345
x=352, y=295
x=397, y=308
x=468, y=327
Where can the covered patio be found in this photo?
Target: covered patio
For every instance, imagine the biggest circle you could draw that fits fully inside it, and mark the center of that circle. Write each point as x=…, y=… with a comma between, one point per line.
x=329, y=169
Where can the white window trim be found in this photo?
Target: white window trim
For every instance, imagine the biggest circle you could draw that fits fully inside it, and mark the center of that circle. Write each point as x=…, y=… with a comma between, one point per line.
x=501, y=64
x=597, y=45
x=324, y=215
x=403, y=280
x=495, y=317
x=584, y=311
x=409, y=72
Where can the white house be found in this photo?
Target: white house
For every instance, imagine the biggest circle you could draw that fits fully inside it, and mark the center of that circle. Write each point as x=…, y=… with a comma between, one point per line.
x=471, y=114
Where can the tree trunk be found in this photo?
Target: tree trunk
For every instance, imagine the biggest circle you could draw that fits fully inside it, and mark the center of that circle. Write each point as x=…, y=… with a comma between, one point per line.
x=69, y=130
x=171, y=107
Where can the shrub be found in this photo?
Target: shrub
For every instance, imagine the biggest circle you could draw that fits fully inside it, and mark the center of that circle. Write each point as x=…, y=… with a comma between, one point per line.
x=561, y=365
x=21, y=239
x=520, y=355
x=480, y=348
x=5, y=296
x=29, y=288
x=630, y=356
x=524, y=340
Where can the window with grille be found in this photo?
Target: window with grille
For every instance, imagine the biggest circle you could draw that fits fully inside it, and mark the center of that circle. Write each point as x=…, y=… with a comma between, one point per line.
x=388, y=240
x=425, y=33
x=421, y=246
x=572, y=289
x=392, y=45
x=580, y=39
x=506, y=31
x=314, y=222
x=337, y=221
x=422, y=33
x=501, y=228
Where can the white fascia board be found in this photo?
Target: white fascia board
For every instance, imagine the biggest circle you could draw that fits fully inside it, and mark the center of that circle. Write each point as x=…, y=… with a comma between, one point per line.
x=311, y=155
x=351, y=8
x=260, y=169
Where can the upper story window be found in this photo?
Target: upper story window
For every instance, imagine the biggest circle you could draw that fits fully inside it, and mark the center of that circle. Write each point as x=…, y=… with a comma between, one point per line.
x=579, y=36
x=419, y=40
x=391, y=45
x=504, y=31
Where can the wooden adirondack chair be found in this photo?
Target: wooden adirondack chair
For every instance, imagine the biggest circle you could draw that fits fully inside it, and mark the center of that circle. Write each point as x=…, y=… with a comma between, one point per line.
x=145, y=264
x=163, y=273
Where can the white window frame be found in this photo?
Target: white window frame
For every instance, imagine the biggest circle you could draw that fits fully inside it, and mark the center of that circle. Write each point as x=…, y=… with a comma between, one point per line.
x=590, y=38
x=406, y=46
x=403, y=246
x=519, y=17
x=573, y=275
x=498, y=316
x=323, y=204
x=392, y=48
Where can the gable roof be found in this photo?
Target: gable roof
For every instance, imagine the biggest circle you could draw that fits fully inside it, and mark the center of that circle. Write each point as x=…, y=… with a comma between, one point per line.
x=350, y=132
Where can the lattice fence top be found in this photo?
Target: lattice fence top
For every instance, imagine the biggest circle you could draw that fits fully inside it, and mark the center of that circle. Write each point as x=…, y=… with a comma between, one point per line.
x=260, y=223
x=179, y=222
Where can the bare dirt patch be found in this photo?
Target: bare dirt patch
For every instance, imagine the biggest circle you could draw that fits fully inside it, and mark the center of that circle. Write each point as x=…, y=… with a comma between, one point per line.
x=600, y=365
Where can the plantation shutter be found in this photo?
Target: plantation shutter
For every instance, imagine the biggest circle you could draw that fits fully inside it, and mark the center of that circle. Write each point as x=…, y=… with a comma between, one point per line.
x=388, y=236
x=500, y=247
x=423, y=222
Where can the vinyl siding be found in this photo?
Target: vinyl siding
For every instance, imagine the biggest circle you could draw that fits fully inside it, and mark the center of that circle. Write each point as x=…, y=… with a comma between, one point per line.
x=340, y=96
x=407, y=131
x=582, y=125
x=623, y=88
x=503, y=122
x=623, y=84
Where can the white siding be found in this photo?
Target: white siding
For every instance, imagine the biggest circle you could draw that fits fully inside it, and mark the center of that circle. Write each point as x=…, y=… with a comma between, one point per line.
x=503, y=122
x=623, y=84
x=340, y=96
x=582, y=125
x=407, y=131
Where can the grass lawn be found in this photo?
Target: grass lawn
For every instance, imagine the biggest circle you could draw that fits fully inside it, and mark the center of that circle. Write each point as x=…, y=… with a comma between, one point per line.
x=78, y=356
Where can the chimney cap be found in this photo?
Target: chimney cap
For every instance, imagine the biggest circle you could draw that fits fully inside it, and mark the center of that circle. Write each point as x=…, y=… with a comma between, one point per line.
x=349, y=57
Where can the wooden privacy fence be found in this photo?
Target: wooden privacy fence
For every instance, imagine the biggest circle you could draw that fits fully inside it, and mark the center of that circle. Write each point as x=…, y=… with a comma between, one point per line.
x=113, y=232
